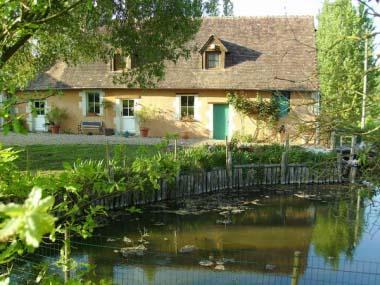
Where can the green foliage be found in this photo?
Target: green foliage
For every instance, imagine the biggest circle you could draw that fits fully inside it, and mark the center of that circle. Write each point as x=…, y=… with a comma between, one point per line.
x=212, y=7
x=202, y=158
x=259, y=108
x=337, y=232
x=273, y=153
x=25, y=225
x=340, y=42
x=76, y=31
x=150, y=170
x=56, y=115
x=145, y=114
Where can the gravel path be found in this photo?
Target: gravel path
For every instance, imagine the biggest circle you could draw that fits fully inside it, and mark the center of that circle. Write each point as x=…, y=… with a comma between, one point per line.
x=49, y=139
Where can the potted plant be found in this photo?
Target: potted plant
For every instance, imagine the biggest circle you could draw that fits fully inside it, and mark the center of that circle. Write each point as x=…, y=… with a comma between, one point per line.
x=55, y=117
x=144, y=114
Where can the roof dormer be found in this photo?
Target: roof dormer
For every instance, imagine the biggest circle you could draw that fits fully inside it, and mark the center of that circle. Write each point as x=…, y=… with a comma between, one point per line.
x=213, y=54
x=123, y=62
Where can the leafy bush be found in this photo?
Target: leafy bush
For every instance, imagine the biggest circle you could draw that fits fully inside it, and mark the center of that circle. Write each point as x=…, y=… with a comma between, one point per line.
x=148, y=171
x=273, y=153
x=202, y=158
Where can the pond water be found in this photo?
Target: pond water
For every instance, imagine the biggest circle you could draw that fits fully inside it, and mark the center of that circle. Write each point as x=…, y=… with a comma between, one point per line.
x=246, y=239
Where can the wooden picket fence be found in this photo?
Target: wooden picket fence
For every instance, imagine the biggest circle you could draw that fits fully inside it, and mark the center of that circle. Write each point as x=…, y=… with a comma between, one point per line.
x=240, y=177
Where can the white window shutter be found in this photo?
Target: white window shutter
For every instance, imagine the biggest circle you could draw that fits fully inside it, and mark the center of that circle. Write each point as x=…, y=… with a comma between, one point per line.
x=118, y=115
x=29, y=120
x=197, y=108
x=177, y=107
x=47, y=109
x=101, y=101
x=83, y=103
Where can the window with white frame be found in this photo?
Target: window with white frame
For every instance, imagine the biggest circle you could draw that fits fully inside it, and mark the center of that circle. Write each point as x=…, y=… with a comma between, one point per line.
x=187, y=107
x=93, y=103
x=128, y=108
x=39, y=107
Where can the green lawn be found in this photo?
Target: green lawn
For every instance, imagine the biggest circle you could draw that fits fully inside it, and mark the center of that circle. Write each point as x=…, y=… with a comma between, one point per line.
x=51, y=157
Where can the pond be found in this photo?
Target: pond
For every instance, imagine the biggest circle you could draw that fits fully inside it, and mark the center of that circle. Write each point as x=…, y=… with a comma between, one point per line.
x=243, y=239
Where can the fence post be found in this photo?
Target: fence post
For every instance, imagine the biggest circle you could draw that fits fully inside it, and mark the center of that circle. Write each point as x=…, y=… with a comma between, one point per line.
x=287, y=142
x=66, y=255
x=332, y=141
x=175, y=149
x=353, y=146
x=339, y=165
x=296, y=268
x=284, y=166
x=228, y=164
x=353, y=172
x=353, y=162
x=357, y=216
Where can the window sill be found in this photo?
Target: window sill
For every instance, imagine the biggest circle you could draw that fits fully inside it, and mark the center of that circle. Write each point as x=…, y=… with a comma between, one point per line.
x=92, y=115
x=188, y=121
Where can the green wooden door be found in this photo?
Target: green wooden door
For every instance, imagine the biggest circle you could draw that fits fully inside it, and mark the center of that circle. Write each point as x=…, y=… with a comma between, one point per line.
x=220, y=121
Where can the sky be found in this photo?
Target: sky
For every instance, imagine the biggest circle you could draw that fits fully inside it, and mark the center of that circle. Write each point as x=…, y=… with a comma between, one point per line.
x=276, y=7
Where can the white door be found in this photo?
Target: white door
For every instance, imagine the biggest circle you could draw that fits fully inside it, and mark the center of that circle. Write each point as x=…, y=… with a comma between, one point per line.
x=39, y=121
x=128, y=120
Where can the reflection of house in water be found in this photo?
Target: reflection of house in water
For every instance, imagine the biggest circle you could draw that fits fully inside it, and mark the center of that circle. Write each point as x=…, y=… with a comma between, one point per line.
x=257, y=239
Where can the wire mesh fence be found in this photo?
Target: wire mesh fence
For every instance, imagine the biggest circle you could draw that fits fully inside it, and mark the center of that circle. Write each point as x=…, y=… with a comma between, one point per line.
x=223, y=267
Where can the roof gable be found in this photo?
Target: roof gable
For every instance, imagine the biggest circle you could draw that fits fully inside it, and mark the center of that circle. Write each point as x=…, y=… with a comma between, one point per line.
x=213, y=40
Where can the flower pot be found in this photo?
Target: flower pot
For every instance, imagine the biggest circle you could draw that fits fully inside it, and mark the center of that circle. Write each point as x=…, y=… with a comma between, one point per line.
x=108, y=132
x=144, y=132
x=55, y=129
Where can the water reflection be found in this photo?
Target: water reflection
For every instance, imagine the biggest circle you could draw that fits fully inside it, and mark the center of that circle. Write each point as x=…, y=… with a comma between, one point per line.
x=258, y=246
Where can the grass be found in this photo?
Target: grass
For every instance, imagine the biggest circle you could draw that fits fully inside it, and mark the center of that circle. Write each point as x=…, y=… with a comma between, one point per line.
x=52, y=157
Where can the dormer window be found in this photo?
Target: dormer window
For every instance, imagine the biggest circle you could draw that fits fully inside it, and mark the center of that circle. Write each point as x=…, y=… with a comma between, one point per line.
x=122, y=62
x=119, y=62
x=213, y=54
x=212, y=59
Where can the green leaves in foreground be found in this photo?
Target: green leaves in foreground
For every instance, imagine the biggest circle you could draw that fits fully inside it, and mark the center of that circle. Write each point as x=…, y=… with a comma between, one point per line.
x=28, y=222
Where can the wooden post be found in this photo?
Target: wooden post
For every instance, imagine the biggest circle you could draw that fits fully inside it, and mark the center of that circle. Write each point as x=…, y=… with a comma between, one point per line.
x=284, y=166
x=339, y=165
x=287, y=142
x=66, y=255
x=353, y=172
x=357, y=217
x=353, y=147
x=175, y=242
x=175, y=149
x=228, y=164
x=296, y=268
x=333, y=140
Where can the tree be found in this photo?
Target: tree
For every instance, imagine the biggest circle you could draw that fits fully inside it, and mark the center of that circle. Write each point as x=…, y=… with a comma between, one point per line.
x=35, y=34
x=228, y=8
x=340, y=42
x=212, y=7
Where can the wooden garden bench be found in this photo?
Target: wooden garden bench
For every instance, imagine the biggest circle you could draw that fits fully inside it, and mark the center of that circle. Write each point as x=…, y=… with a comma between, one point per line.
x=90, y=126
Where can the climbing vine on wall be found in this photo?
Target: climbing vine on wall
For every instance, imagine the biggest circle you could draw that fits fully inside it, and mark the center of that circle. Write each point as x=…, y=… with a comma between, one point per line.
x=266, y=110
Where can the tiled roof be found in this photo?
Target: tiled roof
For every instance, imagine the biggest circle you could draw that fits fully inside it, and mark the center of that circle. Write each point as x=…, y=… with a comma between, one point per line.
x=264, y=53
